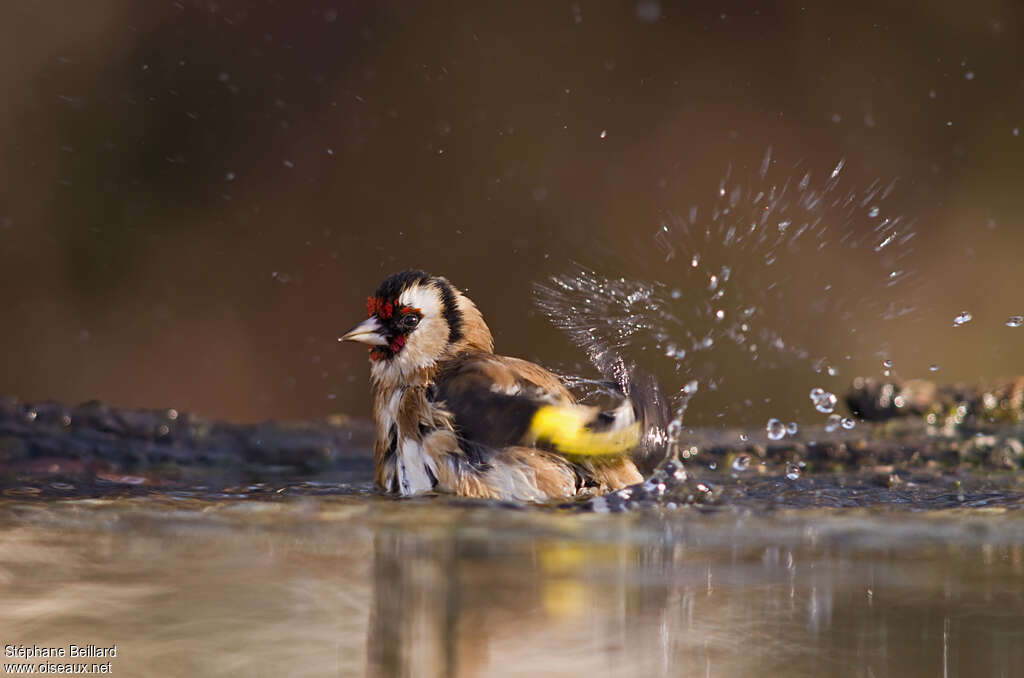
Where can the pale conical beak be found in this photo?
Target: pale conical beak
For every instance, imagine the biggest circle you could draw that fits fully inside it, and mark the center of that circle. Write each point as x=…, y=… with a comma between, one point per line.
x=366, y=332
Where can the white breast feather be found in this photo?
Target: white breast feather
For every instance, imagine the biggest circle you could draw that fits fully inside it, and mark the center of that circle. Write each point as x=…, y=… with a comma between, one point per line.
x=411, y=461
x=412, y=466
x=389, y=417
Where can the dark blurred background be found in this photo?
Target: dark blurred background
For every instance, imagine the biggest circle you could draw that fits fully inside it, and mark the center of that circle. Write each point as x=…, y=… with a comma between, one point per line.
x=197, y=197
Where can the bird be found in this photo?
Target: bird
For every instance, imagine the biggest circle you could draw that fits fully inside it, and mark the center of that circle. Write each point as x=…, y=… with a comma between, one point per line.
x=453, y=417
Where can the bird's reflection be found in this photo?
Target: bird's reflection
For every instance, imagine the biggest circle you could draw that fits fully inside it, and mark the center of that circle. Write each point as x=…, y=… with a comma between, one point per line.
x=453, y=602
x=414, y=620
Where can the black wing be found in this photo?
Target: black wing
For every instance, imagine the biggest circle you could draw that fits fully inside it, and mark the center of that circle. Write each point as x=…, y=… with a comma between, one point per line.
x=498, y=402
x=491, y=402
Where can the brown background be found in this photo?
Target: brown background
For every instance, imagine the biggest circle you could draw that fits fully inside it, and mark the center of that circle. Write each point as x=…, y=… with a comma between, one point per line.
x=196, y=197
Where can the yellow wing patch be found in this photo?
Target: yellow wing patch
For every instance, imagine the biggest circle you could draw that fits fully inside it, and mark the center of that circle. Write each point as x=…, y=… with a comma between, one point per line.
x=565, y=428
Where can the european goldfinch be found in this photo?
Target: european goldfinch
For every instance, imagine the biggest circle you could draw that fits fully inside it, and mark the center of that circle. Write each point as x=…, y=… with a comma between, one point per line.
x=453, y=417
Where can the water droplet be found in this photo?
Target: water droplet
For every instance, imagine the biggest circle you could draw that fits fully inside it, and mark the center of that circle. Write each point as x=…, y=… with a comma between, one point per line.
x=962, y=318
x=695, y=260
x=792, y=471
x=604, y=134
x=741, y=463
x=792, y=428
x=673, y=351
x=873, y=212
x=934, y=367
x=823, y=401
x=775, y=429
x=1015, y=321
x=887, y=364
x=880, y=246
x=848, y=423
x=719, y=314
x=712, y=282
x=969, y=75
x=834, y=421
x=744, y=437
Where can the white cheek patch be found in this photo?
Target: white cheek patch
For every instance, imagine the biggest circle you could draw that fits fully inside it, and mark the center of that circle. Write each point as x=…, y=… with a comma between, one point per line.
x=426, y=299
x=427, y=343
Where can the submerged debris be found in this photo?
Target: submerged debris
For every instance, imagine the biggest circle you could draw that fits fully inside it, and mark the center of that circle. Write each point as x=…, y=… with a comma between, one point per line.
x=968, y=408
x=94, y=442
x=917, y=445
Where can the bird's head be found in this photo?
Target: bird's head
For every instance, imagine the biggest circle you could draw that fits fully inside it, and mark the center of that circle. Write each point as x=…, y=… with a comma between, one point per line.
x=415, y=320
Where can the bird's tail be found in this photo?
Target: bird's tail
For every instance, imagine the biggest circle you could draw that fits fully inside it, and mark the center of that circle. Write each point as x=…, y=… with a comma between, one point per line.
x=653, y=413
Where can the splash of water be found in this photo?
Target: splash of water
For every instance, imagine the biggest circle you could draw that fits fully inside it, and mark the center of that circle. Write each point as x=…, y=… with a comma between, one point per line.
x=732, y=277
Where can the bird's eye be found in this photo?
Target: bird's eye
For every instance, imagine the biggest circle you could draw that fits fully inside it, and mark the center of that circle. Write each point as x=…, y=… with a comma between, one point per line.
x=410, y=321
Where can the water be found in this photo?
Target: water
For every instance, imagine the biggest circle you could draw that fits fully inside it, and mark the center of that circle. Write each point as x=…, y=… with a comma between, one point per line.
x=349, y=586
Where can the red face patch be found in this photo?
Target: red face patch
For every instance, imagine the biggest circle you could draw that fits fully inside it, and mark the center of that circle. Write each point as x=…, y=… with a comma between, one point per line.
x=397, y=328
x=392, y=349
x=376, y=305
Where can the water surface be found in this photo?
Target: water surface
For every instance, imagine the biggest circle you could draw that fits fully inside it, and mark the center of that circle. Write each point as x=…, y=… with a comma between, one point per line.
x=356, y=584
